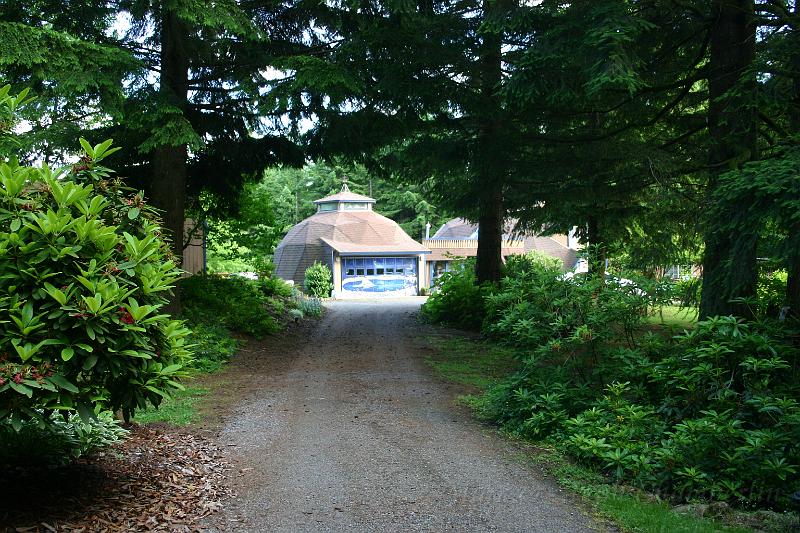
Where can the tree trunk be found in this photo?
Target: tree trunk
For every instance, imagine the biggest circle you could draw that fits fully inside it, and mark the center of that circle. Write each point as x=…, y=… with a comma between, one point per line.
x=729, y=264
x=168, y=185
x=489, y=263
x=597, y=249
x=793, y=264
x=488, y=162
x=793, y=279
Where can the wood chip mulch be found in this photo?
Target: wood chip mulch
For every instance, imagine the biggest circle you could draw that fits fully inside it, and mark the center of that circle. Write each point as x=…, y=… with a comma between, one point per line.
x=154, y=481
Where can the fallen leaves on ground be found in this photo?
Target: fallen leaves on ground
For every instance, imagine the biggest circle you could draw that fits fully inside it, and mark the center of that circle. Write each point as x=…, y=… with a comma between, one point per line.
x=154, y=481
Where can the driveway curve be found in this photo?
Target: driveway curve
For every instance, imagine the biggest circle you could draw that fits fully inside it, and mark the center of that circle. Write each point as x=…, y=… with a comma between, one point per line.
x=345, y=428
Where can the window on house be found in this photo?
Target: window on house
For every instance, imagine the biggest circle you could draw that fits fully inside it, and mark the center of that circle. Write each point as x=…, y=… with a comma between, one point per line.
x=370, y=272
x=355, y=206
x=399, y=270
x=380, y=271
x=327, y=207
x=351, y=272
x=359, y=272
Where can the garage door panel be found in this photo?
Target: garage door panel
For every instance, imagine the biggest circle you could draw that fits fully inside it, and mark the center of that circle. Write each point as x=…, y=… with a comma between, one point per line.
x=379, y=276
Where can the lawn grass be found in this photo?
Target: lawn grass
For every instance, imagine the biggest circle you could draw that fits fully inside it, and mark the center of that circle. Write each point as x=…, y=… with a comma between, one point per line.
x=634, y=514
x=476, y=364
x=627, y=508
x=177, y=411
x=480, y=364
x=675, y=317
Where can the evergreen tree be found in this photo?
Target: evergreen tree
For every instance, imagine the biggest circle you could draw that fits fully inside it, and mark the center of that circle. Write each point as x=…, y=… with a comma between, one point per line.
x=179, y=84
x=185, y=90
x=413, y=91
x=609, y=96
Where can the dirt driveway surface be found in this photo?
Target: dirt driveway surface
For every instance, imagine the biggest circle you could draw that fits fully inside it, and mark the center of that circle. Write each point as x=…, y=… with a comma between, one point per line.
x=345, y=428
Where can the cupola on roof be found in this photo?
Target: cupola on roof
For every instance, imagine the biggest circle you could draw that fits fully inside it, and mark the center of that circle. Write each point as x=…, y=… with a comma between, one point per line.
x=345, y=195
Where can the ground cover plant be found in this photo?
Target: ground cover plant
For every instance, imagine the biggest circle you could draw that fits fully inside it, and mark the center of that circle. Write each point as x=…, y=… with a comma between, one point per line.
x=710, y=412
x=480, y=364
x=234, y=302
x=60, y=441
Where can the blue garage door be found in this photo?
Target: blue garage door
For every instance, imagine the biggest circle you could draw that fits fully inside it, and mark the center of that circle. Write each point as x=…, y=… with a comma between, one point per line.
x=380, y=276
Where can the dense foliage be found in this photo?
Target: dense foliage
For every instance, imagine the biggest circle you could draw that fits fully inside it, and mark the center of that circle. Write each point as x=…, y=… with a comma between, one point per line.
x=245, y=306
x=60, y=441
x=457, y=299
x=142, y=91
x=709, y=413
x=84, y=277
x=318, y=281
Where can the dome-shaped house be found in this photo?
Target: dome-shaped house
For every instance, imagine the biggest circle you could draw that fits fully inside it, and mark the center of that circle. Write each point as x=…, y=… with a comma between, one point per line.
x=369, y=254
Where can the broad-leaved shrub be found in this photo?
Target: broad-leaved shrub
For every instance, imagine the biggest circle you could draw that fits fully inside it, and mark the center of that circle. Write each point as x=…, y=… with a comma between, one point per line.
x=456, y=298
x=237, y=303
x=84, y=275
x=318, y=281
x=710, y=413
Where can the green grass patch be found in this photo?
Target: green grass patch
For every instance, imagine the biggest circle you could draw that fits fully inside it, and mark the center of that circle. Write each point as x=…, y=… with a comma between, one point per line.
x=634, y=514
x=472, y=363
x=675, y=316
x=177, y=411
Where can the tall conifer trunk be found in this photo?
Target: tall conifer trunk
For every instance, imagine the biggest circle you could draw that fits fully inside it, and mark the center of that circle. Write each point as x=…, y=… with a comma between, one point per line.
x=489, y=262
x=793, y=280
x=597, y=257
x=729, y=264
x=488, y=163
x=168, y=186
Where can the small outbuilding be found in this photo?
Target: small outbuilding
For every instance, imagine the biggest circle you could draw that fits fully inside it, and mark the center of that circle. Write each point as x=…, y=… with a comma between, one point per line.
x=369, y=254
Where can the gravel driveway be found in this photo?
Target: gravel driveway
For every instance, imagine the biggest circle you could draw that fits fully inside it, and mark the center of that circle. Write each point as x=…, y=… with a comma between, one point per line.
x=345, y=428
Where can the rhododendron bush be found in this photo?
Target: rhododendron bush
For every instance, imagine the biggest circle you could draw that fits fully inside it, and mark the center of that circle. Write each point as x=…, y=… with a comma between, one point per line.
x=84, y=275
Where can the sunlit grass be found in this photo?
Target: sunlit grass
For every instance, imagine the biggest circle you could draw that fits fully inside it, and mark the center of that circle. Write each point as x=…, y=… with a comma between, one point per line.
x=177, y=411
x=675, y=317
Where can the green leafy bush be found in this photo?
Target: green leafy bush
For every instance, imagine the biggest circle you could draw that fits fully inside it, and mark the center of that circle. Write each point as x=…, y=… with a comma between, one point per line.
x=538, y=307
x=711, y=413
x=318, y=281
x=212, y=346
x=237, y=303
x=771, y=293
x=456, y=299
x=58, y=441
x=273, y=286
x=84, y=274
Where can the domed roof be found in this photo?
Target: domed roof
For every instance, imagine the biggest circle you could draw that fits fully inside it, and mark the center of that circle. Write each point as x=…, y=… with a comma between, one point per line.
x=358, y=233
x=345, y=196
